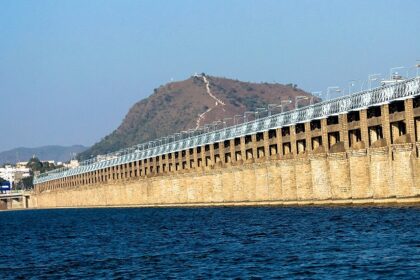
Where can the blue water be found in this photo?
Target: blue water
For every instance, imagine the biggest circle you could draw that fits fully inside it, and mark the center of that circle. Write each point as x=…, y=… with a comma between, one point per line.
x=199, y=243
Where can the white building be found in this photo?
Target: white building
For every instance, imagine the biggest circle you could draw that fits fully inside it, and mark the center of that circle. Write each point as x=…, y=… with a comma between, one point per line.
x=14, y=174
x=21, y=164
x=72, y=164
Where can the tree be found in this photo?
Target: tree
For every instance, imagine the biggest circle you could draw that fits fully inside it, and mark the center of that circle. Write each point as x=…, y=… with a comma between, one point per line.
x=36, y=165
x=27, y=183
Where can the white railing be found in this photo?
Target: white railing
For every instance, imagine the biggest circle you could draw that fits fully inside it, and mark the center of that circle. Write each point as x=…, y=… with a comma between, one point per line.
x=353, y=102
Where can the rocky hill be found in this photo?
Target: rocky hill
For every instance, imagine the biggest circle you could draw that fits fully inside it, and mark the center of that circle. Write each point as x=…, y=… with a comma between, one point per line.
x=187, y=104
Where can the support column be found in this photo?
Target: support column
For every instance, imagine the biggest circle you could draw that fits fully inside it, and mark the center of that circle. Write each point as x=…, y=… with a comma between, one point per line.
x=139, y=166
x=254, y=146
x=373, y=136
x=409, y=118
x=418, y=130
x=266, y=145
x=395, y=131
x=212, y=158
x=232, y=150
x=222, y=152
x=187, y=158
x=385, y=123
x=154, y=165
x=126, y=171
x=308, y=137
x=167, y=161
x=161, y=162
x=279, y=139
x=324, y=134
x=121, y=171
x=173, y=162
x=344, y=133
x=132, y=170
x=195, y=157
x=293, y=140
x=203, y=156
x=243, y=150
x=105, y=174
x=364, y=127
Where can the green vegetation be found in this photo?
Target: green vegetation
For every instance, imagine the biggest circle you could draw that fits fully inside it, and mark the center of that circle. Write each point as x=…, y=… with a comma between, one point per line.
x=26, y=183
x=293, y=86
x=36, y=167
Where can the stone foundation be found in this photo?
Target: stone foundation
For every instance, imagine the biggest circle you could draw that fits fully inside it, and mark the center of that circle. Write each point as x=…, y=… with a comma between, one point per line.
x=363, y=176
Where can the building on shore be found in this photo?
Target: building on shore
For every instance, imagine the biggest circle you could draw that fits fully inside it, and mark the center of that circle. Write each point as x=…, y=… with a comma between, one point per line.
x=14, y=174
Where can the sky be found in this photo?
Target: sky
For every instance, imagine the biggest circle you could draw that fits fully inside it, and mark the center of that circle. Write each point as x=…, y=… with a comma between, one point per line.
x=70, y=70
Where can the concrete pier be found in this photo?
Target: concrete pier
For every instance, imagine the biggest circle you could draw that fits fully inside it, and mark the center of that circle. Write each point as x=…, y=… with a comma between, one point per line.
x=15, y=200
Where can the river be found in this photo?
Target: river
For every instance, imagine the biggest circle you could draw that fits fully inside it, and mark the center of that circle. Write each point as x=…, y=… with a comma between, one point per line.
x=201, y=243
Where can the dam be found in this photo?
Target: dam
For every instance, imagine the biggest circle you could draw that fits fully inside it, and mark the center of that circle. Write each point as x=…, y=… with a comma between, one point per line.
x=359, y=148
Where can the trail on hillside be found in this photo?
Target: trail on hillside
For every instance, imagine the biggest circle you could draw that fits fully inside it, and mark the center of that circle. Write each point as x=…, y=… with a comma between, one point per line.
x=218, y=102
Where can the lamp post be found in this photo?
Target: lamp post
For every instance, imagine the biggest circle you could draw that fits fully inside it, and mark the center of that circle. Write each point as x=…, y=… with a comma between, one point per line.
x=335, y=88
x=177, y=134
x=258, y=111
x=372, y=77
x=216, y=123
x=417, y=67
x=352, y=84
x=184, y=132
x=317, y=94
x=225, y=123
x=284, y=102
x=235, y=118
x=150, y=144
x=169, y=138
x=191, y=131
x=271, y=106
x=207, y=128
x=248, y=112
x=298, y=98
x=393, y=74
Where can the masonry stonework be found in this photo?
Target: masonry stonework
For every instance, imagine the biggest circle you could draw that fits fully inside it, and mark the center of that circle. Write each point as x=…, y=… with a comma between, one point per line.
x=366, y=159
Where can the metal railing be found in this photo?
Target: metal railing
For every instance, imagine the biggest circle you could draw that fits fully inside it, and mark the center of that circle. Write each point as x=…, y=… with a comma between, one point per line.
x=352, y=102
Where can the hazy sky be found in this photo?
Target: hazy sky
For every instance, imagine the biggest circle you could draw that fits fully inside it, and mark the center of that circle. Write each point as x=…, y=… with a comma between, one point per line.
x=70, y=70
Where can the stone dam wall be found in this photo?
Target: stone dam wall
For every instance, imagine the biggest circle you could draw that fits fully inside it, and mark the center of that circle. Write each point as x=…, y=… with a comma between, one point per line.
x=374, y=175
x=329, y=152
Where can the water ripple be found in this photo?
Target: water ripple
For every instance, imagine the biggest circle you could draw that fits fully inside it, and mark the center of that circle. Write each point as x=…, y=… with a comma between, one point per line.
x=233, y=243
